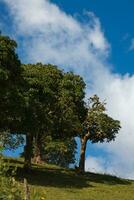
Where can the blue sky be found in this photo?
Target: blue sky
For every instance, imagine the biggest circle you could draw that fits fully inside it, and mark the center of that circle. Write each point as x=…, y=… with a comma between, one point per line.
x=117, y=22
x=95, y=39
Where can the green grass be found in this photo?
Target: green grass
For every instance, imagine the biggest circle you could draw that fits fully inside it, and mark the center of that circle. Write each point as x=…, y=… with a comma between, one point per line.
x=63, y=184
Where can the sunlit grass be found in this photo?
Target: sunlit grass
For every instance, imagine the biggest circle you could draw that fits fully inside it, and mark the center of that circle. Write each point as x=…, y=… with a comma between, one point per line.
x=56, y=183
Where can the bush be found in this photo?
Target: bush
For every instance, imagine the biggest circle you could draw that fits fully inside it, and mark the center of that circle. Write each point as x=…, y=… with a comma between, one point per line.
x=9, y=188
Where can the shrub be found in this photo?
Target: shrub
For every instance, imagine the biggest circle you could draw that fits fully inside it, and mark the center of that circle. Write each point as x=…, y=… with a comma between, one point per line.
x=9, y=188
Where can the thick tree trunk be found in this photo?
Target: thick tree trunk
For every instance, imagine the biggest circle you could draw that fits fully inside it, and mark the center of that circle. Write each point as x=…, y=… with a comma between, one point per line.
x=37, y=150
x=84, y=140
x=28, y=151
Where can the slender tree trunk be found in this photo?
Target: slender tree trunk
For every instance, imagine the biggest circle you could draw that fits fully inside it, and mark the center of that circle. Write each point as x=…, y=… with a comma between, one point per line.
x=84, y=140
x=82, y=154
x=37, y=150
x=28, y=151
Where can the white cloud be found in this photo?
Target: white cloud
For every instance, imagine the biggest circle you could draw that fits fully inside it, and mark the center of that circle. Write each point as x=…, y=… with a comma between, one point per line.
x=51, y=36
x=119, y=92
x=55, y=37
x=112, y=164
x=94, y=164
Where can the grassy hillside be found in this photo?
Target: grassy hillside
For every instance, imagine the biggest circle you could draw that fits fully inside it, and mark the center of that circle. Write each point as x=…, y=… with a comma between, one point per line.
x=62, y=184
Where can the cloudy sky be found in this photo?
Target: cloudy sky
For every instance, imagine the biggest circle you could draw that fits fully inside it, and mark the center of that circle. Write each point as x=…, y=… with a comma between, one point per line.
x=94, y=39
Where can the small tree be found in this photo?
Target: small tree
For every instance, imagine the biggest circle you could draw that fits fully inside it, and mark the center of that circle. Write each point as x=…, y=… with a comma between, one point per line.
x=60, y=152
x=98, y=127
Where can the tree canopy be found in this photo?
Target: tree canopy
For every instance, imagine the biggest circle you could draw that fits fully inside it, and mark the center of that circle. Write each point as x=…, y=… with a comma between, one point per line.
x=97, y=127
x=10, y=79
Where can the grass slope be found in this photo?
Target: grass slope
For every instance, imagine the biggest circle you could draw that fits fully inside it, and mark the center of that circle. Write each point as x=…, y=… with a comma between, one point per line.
x=63, y=184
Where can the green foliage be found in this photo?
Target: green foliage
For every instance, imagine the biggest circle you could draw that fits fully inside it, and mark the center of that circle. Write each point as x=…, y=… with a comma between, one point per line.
x=99, y=126
x=53, y=102
x=11, y=97
x=41, y=93
x=59, y=152
x=71, y=109
x=9, y=188
x=41, y=96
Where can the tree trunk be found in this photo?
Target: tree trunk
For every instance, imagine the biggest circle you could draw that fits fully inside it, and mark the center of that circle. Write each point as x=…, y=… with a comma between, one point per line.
x=82, y=154
x=37, y=151
x=84, y=140
x=28, y=151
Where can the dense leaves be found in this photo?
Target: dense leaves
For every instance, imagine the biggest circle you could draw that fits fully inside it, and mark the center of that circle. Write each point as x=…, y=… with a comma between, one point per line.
x=71, y=108
x=100, y=126
x=42, y=82
x=10, y=80
x=59, y=152
x=52, y=102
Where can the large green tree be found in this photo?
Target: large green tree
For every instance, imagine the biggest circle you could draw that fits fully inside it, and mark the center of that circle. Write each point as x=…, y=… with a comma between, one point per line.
x=97, y=127
x=41, y=89
x=11, y=97
x=53, y=106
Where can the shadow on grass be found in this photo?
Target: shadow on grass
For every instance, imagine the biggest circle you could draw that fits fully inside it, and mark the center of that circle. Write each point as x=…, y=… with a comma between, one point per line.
x=59, y=177
x=53, y=178
x=106, y=179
